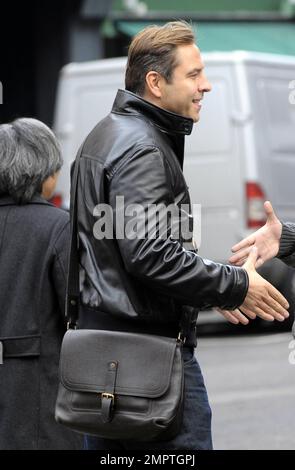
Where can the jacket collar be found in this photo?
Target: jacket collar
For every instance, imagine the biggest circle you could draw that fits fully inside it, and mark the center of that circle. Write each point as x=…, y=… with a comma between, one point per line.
x=130, y=103
x=6, y=200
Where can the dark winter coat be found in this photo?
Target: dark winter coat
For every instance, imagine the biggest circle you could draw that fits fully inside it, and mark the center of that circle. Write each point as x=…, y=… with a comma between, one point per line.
x=33, y=257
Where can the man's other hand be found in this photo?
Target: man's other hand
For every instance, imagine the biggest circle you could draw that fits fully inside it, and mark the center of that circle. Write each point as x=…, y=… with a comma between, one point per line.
x=266, y=240
x=262, y=299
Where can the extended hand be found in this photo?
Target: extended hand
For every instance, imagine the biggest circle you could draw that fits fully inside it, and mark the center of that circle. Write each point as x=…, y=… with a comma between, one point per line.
x=266, y=240
x=262, y=299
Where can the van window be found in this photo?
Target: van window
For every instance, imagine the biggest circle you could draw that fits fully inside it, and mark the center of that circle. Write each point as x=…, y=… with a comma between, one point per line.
x=279, y=114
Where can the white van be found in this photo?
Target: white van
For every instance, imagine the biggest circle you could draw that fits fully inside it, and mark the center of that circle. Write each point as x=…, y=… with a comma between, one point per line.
x=241, y=153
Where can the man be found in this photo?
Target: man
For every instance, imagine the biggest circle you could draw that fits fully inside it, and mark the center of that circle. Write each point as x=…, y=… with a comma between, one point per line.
x=144, y=283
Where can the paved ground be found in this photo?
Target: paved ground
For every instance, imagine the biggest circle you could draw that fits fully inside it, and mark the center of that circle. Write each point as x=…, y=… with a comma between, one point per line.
x=251, y=387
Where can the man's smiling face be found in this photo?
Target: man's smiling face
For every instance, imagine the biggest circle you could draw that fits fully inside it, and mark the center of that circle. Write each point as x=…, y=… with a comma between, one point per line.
x=188, y=84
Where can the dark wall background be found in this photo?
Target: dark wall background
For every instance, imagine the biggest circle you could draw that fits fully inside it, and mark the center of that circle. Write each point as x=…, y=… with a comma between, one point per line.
x=32, y=42
x=36, y=40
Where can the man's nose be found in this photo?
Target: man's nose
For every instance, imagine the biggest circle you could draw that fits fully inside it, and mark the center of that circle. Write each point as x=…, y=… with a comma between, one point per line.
x=205, y=85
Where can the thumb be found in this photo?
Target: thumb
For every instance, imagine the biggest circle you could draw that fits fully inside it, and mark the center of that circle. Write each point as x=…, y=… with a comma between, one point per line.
x=252, y=258
x=270, y=213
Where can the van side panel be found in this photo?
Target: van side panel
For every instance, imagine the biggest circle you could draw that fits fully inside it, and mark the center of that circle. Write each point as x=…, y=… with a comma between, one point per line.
x=274, y=118
x=84, y=98
x=212, y=165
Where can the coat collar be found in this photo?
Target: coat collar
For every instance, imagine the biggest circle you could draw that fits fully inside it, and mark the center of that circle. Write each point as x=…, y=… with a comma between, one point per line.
x=130, y=103
x=6, y=200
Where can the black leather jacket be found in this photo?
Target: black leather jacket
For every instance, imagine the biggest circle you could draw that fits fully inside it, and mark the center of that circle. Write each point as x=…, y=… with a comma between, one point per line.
x=137, y=152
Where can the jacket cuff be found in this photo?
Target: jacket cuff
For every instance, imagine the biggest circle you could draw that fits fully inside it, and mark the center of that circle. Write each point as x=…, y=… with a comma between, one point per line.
x=240, y=288
x=287, y=241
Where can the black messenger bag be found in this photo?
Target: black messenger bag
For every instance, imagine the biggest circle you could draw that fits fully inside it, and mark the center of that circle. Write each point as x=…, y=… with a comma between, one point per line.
x=114, y=384
x=120, y=385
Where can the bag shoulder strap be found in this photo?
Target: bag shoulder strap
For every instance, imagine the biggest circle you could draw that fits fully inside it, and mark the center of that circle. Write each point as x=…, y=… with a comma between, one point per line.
x=73, y=286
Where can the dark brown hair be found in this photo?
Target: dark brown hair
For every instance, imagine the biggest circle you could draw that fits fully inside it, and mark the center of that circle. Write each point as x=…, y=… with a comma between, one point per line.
x=154, y=48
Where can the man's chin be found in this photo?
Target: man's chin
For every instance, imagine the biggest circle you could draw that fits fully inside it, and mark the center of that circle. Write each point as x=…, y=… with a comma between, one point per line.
x=195, y=116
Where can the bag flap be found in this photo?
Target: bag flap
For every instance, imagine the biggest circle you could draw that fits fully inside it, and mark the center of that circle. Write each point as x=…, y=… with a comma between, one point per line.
x=144, y=361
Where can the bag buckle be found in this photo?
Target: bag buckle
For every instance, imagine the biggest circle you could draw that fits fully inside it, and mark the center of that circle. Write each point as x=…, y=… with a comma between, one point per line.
x=107, y=407
x=181, y=338
x=108, y=396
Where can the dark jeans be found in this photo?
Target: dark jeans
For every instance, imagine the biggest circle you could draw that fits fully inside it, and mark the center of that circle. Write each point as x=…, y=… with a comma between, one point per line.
x=195, y=433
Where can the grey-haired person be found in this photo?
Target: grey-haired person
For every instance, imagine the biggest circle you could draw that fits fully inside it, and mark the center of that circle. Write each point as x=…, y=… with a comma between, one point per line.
x=34, y=237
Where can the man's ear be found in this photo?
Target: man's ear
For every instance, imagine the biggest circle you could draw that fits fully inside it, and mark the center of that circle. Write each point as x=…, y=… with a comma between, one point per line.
x=153, y=83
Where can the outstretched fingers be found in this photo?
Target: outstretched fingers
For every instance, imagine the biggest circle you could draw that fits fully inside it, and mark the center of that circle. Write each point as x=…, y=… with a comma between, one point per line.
x=245, y=243
x=240, y=257
x=230, y=317
x=242, y=318
x=248, y=312
x=279, y=298
x=259, y=312
x=272, y=306
x=234, y=316
x=267, y=308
